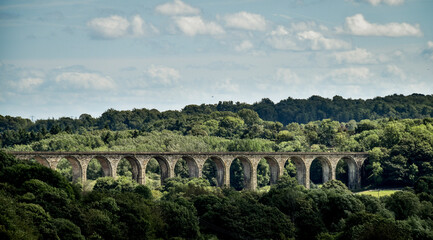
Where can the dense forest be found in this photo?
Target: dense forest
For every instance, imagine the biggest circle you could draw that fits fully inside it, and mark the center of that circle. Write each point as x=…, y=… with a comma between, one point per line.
x=39, y=203
x=285, y=112
x=397, y=131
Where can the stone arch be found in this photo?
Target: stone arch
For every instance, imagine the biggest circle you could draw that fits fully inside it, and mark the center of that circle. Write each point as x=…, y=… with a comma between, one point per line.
x=352, y=174
x=193, y=169
x=247, y=167
x=164, y=167
x=273, y=167
x=220, y=169
x=41, y=160
x=77, y=169
x=135, y=165
x=326, y=168
x=106, y=166
x=300, y=169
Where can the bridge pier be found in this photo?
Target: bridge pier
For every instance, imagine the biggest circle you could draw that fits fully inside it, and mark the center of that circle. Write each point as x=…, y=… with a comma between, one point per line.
x=195, y=161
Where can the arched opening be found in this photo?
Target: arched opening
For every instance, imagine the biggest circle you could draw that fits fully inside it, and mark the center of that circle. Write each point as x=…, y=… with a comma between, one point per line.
x=64, y=167
x=267, y=172
x=153, y=174
x=128, y=167
x=124, y=168
x=94, y=170
x=295, y=167
x=186, y=167
x=320, y=171
x=341, y=172
x=70, y=167
x=213, y=171
x=40, y=160
x=240, y=173
x=347, y=172
x=98, y=167
x=371, y=173
x=156, y=168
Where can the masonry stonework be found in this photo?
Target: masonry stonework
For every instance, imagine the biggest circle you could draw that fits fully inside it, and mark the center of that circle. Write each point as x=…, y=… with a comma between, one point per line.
x=195, y=161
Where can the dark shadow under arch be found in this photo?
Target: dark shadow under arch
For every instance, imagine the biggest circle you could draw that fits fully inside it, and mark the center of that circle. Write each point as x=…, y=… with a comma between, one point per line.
x=351, y=174
x=243, y=171
x=186, y=166
x=214, y=171
x=300, y=173
x=326, y=170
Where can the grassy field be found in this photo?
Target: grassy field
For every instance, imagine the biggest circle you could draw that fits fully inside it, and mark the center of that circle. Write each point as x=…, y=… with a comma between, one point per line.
x=379, y=192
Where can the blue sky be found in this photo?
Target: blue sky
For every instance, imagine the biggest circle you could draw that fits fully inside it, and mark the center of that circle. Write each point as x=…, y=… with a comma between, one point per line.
x=64, y=58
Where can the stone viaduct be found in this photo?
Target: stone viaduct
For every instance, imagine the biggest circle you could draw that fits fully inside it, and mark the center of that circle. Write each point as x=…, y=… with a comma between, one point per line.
x=195, y=161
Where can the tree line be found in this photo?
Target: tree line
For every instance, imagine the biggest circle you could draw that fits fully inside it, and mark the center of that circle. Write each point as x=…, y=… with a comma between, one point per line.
x=286, y=111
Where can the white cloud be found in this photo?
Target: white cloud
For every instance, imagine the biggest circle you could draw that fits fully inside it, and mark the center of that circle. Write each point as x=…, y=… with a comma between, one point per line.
x=394, y=71
x=244, y=46
x=318, y=41
x=359, y=55
x=245, y=20
x=80, y=80
x=137, y=25
x=110, y=27
x=177, y=7
x=287, y=76
x=26, y=84
x=163, y=75
x=388, y=2
x=117, y=27
x=357, y=25
x=352, y=75
x=281, y=39
x=195, y=25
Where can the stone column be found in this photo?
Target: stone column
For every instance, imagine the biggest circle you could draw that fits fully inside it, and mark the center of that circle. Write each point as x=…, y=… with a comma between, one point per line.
x=82, y=163
x=227, y=161
x=250, y=169
x=200, y=160
x=308, y=160
x=357, y=181
x=53, y=161
x=141, y=165
x=110, y=167
x=171, y=160
x=281, y=160
x=334, y=162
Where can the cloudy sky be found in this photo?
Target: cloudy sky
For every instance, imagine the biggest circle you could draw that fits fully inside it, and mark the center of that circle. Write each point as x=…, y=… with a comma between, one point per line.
x=63, y=58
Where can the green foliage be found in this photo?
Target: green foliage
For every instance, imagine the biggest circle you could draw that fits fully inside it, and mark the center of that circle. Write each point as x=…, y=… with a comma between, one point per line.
x=18, y=174
x=336, y=185
x=94, y=170
x=424, y=184
x=240, y=216
x=64, y=167
x=237, y=176
x=121, y=184
x=181, y=219
x=124, y=168
x=367, y=226
x=67, y=230
x=403, y=203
